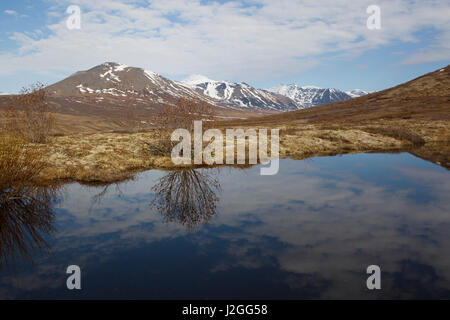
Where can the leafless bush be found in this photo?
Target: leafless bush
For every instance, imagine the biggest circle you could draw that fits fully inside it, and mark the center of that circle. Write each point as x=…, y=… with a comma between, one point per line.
x=29, y=114
x=181, y=115
x=26, y=121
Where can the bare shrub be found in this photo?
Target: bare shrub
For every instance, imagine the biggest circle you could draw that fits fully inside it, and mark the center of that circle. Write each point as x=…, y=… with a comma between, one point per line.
x=29, y=114
x=181, y=115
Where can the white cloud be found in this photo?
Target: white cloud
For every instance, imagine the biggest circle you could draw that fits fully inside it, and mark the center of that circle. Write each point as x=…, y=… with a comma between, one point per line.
x=10, y=12
x=225, y=41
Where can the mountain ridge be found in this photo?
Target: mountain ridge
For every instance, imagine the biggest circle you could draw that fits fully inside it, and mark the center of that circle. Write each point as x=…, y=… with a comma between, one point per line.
x=240, y=94
x=310, y=96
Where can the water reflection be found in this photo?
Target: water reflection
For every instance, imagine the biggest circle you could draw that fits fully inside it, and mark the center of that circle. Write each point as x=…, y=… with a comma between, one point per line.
x=26, y=218
x=188, y=197
x=308, y=232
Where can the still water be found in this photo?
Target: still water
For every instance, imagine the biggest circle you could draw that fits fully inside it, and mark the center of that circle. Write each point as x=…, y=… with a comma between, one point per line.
x=308, y=232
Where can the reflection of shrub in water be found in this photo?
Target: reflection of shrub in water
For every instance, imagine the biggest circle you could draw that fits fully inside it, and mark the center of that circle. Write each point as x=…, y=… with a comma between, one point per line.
x=25, y=209
x=187, y=197
x=25, y=219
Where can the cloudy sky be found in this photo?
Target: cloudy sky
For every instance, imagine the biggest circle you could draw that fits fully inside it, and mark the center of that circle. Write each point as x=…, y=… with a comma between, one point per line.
x=264, y=43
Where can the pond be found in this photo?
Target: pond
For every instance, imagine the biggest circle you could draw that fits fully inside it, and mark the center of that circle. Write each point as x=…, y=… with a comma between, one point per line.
x=309, y=232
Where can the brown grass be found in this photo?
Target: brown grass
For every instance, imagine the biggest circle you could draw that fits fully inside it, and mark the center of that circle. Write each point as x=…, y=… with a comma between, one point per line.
x=398, y=133
x=108, y=157
x=20, y=163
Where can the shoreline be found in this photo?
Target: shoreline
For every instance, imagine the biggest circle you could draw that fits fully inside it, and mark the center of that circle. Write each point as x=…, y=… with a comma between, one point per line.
x=103, y=158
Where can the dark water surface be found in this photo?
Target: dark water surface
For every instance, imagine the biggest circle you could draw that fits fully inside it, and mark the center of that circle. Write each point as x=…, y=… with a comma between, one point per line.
x=308, y=232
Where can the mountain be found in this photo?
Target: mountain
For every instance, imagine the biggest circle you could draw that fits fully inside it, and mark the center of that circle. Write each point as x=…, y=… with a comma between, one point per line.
x=356, y=93
x=309, y=96
x=116, y=81
x=240, y=94
x=3, y=94
x=424, y=98
x=417, y=111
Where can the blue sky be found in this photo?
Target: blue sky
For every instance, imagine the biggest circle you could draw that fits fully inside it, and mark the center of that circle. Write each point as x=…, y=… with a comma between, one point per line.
x=264, y=43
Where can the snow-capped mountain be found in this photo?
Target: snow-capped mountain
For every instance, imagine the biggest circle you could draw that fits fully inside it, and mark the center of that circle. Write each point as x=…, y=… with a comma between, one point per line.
x=240, y=94
x=112, y=85
x=356, y=93
x=309, y=96
x=116, y=81
x=3, y=94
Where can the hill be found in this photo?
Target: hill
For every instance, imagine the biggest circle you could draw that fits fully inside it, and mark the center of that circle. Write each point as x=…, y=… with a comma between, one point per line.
x=415, y=113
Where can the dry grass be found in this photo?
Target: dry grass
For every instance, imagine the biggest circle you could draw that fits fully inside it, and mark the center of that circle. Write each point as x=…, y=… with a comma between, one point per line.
x=20, y=163
x=108, y=157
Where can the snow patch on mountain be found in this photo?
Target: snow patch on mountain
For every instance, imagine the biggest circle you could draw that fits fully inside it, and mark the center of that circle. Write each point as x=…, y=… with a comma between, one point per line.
x=239, y=94
x=309, y=96
x=112, y=67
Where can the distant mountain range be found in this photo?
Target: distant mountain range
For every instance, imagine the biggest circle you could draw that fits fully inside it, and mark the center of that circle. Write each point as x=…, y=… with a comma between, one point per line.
x=241, y=94
x=309, y=96
x=114, y=84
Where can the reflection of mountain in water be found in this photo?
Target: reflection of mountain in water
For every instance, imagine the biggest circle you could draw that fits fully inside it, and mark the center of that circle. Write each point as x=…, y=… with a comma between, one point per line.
x=186, y=196
x=25, y=219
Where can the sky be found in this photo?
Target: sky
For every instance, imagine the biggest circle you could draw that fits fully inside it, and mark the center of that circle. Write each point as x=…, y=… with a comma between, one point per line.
x=264, y=43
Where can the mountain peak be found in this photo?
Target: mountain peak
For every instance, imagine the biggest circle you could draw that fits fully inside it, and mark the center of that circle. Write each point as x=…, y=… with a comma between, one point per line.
x=240, y=95
x=111, y=63
x=309, y=96
x=115, y=82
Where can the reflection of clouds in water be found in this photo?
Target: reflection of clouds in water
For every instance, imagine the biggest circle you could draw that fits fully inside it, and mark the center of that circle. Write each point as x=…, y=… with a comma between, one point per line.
x=352, y=229
x=322, y=226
